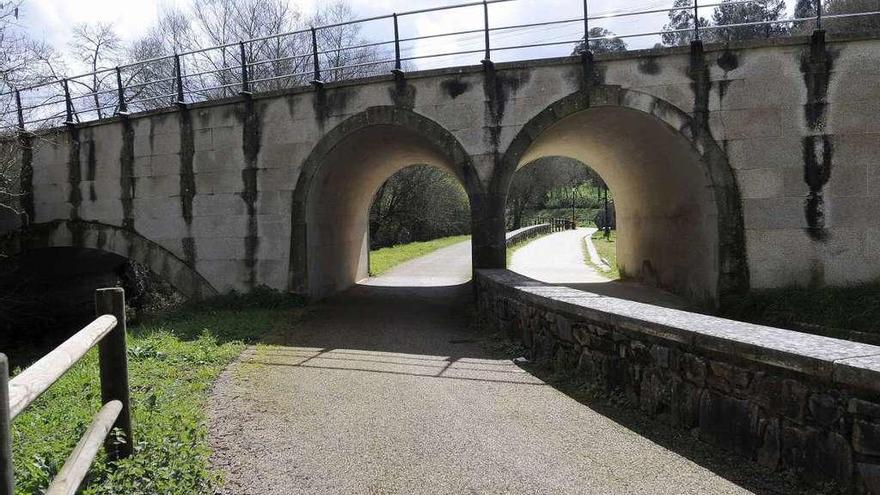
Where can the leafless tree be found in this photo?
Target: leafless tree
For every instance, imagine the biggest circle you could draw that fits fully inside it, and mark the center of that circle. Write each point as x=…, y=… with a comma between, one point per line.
x=344, y=53
x=273, y=62
x=97, y=47
x=24, y=62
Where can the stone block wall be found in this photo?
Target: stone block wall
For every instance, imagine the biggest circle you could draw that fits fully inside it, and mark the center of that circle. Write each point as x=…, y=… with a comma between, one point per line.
x=786, y=400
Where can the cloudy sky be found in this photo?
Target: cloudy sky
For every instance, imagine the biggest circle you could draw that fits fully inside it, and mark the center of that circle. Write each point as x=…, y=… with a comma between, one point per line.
x=52, y=19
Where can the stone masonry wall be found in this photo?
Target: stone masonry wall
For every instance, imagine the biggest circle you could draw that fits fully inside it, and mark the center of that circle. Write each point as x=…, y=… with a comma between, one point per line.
x=795, y=120
x=788, y=401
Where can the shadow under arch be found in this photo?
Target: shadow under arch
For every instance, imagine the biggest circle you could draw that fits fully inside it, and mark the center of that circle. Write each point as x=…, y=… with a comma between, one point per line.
x=339, y=179
x=111, y=239
x=672, y=181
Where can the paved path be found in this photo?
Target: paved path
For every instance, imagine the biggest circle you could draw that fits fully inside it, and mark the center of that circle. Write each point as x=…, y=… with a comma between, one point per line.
x=446, y=266
x=558, y=258
x=387, y=390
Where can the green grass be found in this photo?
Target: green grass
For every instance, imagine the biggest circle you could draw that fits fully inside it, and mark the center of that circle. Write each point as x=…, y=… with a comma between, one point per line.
x=607, y=249
x=839, y=310
x=173, y=361
x=382, y=260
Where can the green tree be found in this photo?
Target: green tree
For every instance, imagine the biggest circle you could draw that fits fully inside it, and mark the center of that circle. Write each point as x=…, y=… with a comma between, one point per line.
x=679, y=29
x=739, y=13
x=856, y=24
x=608, y=43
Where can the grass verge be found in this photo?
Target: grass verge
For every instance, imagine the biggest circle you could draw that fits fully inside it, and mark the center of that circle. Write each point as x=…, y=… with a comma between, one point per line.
x=843, y=312
x=382, y=260
x=607, y=249
x=173, y=362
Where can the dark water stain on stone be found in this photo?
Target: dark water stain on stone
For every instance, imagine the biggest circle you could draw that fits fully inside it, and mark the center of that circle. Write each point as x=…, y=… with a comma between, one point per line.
x=152, y=135
x=290, y=100
x=816, y=67
x=189, y=251
x=818, y=151
x=701, y=86
x=328, y=103
x=593, y=74
x=455, y=87
x=499, y=89
x=26, y=178
x=187, y=177
x=204, y=119
x=722, y=89
x=649, y=66
x=74, y=172
x=126, y=174
x=251, y=125
x=728, y=61
x=91, y=169
x=402, y=93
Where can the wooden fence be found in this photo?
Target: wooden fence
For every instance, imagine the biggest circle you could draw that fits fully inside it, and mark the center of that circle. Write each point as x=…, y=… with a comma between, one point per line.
x=108, y=332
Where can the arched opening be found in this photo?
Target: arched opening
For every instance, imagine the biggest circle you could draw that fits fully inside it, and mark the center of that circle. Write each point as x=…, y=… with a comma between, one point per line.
x=48, y=293
x=677, y=212
x=110, y=239
x=420, y=229
x=565, y=203
x=338, y=184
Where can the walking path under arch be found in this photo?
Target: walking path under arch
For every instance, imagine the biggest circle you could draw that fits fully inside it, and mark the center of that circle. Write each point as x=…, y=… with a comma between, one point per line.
x=384, y=389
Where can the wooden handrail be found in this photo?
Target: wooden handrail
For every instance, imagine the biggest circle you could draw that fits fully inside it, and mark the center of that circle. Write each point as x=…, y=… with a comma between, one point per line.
x=77, y=465
x=32, y=382
x=108, y=332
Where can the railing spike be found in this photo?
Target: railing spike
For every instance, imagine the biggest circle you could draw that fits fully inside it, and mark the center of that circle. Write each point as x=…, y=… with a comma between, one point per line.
x=245, y=80
x=122, y=107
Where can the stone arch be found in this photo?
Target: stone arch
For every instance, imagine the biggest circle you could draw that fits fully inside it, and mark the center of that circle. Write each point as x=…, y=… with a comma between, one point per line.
x=399, y=136
x=111, y=239
x=572, y=125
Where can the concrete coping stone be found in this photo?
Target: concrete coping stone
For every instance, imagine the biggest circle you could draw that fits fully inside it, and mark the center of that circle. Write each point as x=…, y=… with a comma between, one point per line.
x=516, y=235
x=824, y=358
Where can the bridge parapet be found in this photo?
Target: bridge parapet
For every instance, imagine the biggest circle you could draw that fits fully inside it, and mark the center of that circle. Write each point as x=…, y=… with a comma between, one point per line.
x=785, y=399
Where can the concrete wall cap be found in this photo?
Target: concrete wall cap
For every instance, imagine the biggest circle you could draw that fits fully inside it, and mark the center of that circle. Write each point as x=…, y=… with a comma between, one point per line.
x=824, y=358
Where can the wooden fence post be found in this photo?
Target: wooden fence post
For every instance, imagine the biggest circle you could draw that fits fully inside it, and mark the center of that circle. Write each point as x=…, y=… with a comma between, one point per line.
x=7, y=476
x=113, y=358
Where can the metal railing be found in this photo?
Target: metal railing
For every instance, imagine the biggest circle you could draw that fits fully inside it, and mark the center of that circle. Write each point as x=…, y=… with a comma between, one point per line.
x=301, y=57
x=108, y=332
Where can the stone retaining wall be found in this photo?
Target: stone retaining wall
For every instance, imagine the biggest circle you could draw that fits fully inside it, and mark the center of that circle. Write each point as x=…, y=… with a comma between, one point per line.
x=787, y=400
x=526, y=233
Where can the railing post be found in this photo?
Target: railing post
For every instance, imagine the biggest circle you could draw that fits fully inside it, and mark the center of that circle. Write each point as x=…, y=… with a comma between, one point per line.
x=7, y=474
x=818, y=14
x=178, y=79
x=317, y=65
x=586, y=26
x=68, y=103
x=696, y=20
x=19, y=111
x=120, y=94
x=245, y=80
x=113, y=359
x=487, y=58
x=398, y=69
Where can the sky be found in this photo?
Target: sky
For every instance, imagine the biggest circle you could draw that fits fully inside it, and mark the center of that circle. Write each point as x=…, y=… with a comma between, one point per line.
x=51, y=20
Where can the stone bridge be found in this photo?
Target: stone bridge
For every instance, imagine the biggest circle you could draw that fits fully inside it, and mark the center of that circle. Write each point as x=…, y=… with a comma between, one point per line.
x=733, y=166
